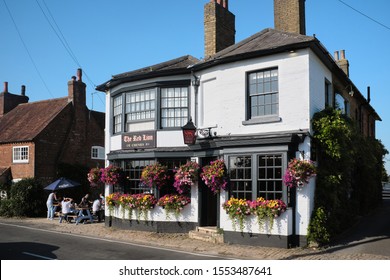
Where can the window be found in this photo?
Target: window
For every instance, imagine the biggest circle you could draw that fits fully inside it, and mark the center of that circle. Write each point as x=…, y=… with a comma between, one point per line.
x=241, y=176
x=140, y=105
x=269, y=180
x=174, y=107
x=133, y=170
x=20, y=154
x=263, y=93
x=328, y=94
x=117, y=115
x=253, y=176
x=97, y=152
x=342, y=104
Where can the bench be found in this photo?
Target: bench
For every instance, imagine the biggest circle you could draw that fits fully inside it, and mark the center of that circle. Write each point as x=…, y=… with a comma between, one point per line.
x=69, y=217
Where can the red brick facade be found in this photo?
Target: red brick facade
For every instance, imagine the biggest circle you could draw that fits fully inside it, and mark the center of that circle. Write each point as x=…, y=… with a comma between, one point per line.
x=65, y=137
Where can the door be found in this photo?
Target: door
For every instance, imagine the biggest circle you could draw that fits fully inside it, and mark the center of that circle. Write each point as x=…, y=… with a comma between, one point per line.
x=208, y=201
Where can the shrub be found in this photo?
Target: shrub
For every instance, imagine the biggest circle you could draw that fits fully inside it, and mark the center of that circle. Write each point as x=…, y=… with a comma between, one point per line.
x=27, y=199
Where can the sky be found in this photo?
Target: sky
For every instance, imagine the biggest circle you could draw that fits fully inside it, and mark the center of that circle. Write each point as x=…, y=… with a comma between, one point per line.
x=43, y=42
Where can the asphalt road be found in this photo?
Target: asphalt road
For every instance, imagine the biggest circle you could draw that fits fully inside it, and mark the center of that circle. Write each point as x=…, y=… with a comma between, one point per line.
x=26, y=243
x=370, y=236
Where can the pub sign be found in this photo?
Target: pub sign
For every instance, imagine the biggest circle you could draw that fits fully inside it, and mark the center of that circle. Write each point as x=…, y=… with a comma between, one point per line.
x=139, y=140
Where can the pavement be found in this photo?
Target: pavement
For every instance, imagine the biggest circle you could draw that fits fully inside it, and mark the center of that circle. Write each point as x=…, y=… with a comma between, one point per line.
x=184, y=243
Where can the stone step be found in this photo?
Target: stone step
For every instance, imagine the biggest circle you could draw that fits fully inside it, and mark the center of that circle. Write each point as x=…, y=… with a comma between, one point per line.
x=207, y=234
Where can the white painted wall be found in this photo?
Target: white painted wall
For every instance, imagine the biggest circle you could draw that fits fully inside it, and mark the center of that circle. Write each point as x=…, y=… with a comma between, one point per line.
x=222, y=94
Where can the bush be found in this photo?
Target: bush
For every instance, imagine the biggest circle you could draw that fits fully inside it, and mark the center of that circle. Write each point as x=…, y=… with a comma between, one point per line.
x=27, y=199
x=349, y=174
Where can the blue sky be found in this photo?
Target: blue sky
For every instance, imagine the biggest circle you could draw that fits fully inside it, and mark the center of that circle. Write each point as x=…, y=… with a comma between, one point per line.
x=110, y=37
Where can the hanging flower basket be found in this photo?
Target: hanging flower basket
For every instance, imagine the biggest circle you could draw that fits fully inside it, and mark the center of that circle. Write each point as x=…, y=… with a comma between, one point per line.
x=94, y=177
x=299, y=172
x=214, y=176
x=154, y=175
x=185, y=176
x=111, y=175
x=173, y=203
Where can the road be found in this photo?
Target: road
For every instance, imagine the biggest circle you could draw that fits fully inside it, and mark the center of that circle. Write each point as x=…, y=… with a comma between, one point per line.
x=27, y=243
x=370, y=236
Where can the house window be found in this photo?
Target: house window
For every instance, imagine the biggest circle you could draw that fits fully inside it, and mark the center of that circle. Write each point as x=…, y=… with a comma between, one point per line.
x=240, y=172
x=253, y=176
x=269, y=180
x=133, y=170
x=97, y=152
x=263, y=93
x=140, y=105
x=117, y=115
x=174, y=107
x=328, y=94
x=342, y=104
x=20, y=154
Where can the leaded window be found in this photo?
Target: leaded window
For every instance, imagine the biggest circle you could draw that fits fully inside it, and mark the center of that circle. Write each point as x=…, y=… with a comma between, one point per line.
x=174, y=107
x=141, y=105
x=117, y=115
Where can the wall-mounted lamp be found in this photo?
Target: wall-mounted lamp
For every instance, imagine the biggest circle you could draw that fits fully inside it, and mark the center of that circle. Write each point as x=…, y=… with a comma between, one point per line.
x=190, y=132
x=350, y=92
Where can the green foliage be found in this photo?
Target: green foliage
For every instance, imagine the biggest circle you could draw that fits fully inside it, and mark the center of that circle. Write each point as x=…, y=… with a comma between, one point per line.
x=349, y=172
x=318, y=229
x=27, y=199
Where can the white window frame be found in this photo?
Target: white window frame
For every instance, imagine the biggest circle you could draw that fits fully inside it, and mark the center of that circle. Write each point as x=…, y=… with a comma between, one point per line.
x=100, y=151
x=20, y=154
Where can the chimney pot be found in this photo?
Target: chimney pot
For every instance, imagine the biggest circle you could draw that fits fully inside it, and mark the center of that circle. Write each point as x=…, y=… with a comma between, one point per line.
x=79, y=75
x=5, y=86
x=73, y=78
x=342, y=54
x=368, y=95
x=336, y=55
x=23, y=90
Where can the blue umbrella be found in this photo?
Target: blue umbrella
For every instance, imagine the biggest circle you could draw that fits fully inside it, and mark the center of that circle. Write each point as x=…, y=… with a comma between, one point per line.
x=62, y=183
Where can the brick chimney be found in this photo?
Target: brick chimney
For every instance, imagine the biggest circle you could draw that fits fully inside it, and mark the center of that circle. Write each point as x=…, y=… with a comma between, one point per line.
x=9, y=101
x=219, y=27
x=76, y=91
x=289, y=16
x=341, y=61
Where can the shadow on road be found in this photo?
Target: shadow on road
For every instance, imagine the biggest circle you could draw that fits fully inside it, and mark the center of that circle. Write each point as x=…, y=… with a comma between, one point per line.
x=370, y=229
x=27, y=251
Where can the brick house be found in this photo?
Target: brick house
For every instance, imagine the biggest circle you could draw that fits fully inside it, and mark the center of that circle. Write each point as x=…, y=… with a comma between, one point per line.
x=37, y=137
x=252, y=103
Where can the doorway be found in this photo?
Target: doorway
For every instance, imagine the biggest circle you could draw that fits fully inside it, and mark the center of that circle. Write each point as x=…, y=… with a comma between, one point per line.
x=208, y=201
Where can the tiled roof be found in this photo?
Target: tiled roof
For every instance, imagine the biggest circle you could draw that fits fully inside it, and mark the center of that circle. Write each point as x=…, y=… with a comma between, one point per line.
x=266, y=40
x=175, y=66
x=27, y=120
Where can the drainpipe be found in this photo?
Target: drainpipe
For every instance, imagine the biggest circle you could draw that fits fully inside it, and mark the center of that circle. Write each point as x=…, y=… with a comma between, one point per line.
x=196, y=84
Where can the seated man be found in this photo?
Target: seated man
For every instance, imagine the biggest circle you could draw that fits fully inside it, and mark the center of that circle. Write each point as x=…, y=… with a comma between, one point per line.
x=67, y=208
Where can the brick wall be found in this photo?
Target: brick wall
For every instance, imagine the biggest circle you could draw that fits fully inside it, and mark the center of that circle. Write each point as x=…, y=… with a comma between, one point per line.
x=18, y=170
x=289, y=16
x=219, y=28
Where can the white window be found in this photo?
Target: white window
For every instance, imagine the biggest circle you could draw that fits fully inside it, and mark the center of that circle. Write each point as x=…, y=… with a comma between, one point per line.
x=97, y=152
x=20, y=154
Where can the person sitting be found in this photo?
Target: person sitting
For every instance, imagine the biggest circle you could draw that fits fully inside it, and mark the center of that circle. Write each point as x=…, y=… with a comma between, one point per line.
x=67, y=208
x=97, y=209
x=85, y=202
